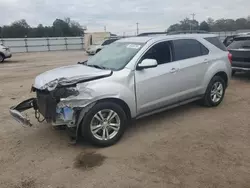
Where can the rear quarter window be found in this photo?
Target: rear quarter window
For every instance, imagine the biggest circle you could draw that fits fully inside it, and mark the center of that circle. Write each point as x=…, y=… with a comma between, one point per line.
x=188, y=48
x=216, y=42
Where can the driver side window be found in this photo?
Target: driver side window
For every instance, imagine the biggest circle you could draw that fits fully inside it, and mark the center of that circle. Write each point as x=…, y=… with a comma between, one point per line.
x=161, y=52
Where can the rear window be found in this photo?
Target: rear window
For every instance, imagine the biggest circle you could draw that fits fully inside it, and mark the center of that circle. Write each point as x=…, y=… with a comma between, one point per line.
x=241, y=42
x=216, y=42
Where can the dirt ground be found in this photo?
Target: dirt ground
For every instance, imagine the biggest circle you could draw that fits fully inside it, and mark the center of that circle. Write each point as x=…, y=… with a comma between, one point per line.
x=191, y=146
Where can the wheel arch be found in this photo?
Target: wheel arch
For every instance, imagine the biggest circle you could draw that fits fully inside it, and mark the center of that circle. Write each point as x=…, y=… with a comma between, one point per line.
x=2, y=54
x=85, y=110
x=120, y=102
x=223, y=75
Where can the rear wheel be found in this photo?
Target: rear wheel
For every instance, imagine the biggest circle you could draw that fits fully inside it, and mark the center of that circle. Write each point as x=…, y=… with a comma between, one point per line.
x=1, y=58
x=104, y=124
x=215, y=92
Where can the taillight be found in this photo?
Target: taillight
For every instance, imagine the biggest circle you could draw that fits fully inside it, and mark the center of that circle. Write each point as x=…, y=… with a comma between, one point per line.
x=230, y=57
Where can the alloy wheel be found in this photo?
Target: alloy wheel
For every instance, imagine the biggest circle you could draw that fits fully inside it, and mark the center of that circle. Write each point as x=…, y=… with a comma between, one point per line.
x=216, y=92
x=105, y=124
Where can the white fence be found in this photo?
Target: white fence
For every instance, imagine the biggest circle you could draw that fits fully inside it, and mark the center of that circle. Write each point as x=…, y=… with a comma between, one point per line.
x=43, y=44
x=62, y=43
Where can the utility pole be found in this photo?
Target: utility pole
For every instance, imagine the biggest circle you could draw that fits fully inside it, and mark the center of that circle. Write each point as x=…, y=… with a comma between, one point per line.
x=137, y=28
x=193, y=15
x=105, y=28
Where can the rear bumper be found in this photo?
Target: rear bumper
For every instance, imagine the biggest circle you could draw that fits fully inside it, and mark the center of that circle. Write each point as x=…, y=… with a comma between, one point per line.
x=90, y=52
x=240, y=66
x=240, y=69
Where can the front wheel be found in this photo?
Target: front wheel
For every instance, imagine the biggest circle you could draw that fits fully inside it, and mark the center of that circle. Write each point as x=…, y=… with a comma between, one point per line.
x=1, y=58
x=215, y=92
x=104, y=124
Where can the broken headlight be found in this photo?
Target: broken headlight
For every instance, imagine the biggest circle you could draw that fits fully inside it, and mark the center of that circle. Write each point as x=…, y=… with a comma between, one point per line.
x=52, y=85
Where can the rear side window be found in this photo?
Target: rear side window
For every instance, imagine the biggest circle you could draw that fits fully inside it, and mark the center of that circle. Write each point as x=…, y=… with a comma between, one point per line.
x=216, y=42
x=188, y=48
x=242, y=42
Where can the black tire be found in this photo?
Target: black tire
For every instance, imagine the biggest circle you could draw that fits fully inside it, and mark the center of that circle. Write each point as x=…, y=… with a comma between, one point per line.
x=1, y=58
x=207, y=99
x=98, y=51
x=233, y=72
x=86, y=128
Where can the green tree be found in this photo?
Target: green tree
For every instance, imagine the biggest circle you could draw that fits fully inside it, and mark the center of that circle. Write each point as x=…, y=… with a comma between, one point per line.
x=174, y=27
x=185, y=24
x=204, y=26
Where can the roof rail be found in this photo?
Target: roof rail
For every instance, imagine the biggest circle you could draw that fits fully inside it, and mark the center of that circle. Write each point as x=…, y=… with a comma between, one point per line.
x=151, y=33
x=186, y=32
x=172, y=32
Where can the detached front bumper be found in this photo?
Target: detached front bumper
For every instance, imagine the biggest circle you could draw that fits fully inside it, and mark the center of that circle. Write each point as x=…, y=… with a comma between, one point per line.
x=15, y=111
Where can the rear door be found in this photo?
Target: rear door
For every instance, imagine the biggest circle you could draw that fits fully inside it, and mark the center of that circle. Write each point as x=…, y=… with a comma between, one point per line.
x=194, y=61
x=240, y=50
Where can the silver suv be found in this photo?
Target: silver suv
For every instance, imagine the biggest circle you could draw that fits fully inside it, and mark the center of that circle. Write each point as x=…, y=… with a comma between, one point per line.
x=130, y=79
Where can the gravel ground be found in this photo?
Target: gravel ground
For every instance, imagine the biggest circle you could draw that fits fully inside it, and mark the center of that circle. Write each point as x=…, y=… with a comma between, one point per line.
x=190, y=146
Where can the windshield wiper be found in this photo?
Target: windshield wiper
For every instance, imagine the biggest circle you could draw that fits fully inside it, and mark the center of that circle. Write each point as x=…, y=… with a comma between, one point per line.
x=97, y=66
x=83, y=63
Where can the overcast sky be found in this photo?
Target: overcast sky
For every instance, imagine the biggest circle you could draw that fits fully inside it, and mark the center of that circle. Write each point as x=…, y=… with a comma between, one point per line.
x=120, y=15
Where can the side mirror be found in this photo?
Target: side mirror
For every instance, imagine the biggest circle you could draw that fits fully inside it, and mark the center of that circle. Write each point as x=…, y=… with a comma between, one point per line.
x=147, y=63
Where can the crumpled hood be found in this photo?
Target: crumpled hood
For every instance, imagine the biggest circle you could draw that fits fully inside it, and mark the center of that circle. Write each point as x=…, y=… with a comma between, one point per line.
x=68, y=75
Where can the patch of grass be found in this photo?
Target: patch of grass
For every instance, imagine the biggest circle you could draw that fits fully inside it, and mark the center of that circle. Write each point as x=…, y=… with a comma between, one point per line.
x=86, y=160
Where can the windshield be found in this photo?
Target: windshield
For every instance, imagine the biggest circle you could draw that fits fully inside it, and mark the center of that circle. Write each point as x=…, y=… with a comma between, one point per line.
x=240, y=43
x=115, y=56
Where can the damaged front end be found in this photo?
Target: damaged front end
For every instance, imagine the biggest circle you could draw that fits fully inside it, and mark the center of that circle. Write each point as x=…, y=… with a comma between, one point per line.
x=45, y=107
x=61, y=96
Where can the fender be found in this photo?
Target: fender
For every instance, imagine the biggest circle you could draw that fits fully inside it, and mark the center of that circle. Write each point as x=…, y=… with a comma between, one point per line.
x=214, y=68
x=94, y=91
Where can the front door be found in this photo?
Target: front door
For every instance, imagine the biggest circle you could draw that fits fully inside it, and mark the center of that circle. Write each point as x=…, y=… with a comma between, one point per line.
x=159, y=86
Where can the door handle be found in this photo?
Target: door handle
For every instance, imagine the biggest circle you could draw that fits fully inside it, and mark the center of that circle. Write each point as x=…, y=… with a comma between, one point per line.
x=206, y=61
x=173, y=70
